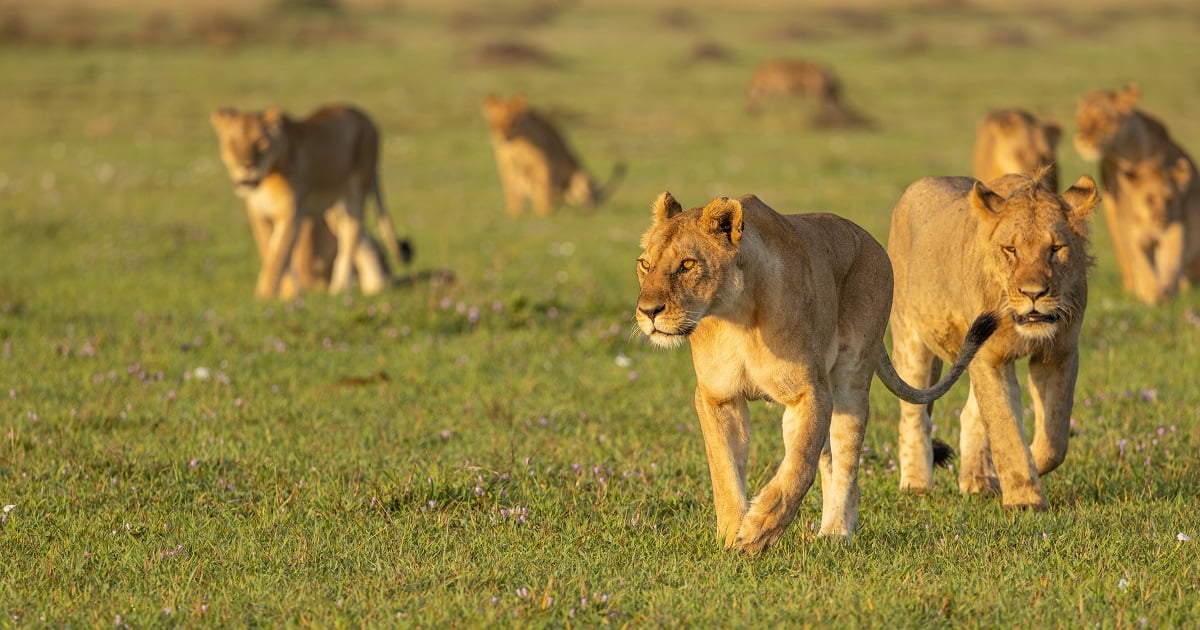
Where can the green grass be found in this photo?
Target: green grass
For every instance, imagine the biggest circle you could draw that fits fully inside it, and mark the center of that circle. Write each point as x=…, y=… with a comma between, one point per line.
x=475, y=454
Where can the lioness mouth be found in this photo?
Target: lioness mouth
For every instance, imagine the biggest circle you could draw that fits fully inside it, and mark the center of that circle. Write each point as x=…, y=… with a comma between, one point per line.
x=1034, y=317
x=249, y=183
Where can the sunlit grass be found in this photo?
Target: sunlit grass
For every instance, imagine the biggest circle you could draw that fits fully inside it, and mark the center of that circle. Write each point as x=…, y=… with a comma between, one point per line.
x=505, y=449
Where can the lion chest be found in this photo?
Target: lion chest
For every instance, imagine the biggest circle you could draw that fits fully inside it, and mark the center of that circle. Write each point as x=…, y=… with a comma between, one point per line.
x=736, y=362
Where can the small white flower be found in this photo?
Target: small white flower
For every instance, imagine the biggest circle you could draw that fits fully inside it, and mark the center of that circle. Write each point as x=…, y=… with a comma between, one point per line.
x=10, y=507
x=1181, y=537
x=1123, y=584
x=200, y=373
x=623, y=361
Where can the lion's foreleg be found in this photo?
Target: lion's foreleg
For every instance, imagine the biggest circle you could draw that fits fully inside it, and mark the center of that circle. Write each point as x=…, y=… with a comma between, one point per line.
x=368, y=261
x=278, y=256
x=805, y=429
x=976, y=474
x=999, y=399
x=1123, y=248
x=914, y=364
x=1168, y=260
x=1052, y=390
x=726, y=429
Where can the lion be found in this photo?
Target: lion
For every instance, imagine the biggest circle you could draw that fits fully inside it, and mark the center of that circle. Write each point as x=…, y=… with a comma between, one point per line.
x=787, y=308
x=1111, y=129
x=1161, y=244
x=1013, y=246
x=294, y=172
x=790, y=77
x=1014, y=141
x=535, y=163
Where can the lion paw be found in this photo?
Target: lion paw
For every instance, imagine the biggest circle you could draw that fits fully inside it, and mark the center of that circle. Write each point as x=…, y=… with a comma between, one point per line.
x=769, y=515
x=980, y=485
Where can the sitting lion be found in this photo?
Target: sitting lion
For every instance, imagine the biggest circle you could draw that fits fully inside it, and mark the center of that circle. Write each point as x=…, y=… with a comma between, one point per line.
x=1111, y=129
x=535, y=163
x=788, y=308
x=296, y=174
x=1014, y=141
x=958, y=247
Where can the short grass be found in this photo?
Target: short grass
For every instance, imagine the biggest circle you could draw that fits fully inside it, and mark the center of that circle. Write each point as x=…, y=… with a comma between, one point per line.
x=505, y=450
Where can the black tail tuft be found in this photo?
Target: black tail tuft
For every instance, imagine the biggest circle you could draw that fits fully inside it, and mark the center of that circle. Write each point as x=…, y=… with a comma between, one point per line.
x=943, y=453
x=406, y=251
x=983, y=327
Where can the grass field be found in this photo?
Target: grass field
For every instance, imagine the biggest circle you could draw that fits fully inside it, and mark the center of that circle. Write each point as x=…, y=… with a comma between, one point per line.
x=504, y=450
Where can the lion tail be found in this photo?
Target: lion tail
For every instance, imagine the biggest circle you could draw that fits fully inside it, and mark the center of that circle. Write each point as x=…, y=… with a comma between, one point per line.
x=614, y=180
x=981, y=329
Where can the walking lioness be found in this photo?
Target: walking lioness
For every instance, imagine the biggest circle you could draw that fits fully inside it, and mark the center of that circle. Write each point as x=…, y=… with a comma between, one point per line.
x=292, y=171
x=788, y=308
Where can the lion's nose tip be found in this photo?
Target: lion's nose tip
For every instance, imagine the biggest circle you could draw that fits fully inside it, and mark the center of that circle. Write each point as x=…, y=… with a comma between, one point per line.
x=1033, y=293
x=651, y=310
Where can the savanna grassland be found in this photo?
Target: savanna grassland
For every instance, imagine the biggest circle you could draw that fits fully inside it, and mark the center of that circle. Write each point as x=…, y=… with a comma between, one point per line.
x=505, y=449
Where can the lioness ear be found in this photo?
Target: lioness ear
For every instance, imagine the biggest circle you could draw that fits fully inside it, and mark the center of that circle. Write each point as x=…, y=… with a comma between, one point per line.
x=723, y=216
x=221, y=115
x=1128, y=98
x=665, y=207
x=272, y=118
x=1082, y=197
x=1181, y=172
x=985, y=202
x=519, y=102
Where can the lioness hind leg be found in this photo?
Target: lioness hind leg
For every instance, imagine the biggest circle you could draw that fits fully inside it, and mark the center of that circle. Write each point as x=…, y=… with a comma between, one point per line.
x=839, y=460
x=346, y=221
x=976, y=474
x=805, y=431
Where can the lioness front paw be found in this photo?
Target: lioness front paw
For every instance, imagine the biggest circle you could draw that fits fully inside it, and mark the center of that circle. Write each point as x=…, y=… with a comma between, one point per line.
x=981, y=485
x=769, y=515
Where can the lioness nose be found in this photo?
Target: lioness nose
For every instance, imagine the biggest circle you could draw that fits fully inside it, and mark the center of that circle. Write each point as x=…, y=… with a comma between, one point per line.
x=652, y=310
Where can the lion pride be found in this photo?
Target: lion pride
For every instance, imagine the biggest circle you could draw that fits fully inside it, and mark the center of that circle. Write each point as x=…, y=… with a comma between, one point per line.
x=959, y=247
x=786, y=308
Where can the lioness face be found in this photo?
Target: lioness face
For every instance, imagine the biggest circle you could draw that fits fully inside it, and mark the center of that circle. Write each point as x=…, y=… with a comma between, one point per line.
x=1098, y=119
x=1037, y=249
x=1151, y=190
x=686, y=266
x=250, y=144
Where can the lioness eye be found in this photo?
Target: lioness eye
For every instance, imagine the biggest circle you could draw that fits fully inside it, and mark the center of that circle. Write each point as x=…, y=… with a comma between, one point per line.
x=687, y=265
x=1011, y=251
x=643, y=264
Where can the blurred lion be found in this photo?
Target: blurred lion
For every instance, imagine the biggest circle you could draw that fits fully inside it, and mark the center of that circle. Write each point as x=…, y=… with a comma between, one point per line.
x=535, y=163
x=297, y=174
x=1129, y=144
x=1014, y=141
